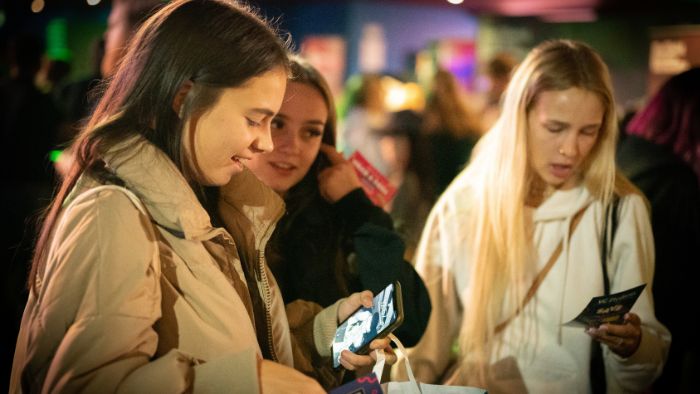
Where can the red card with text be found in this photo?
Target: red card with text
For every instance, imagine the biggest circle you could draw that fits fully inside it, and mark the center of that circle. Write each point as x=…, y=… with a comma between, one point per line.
x=375, y=185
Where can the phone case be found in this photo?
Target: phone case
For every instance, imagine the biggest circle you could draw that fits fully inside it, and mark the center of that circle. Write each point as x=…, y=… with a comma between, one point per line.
x=398, y=306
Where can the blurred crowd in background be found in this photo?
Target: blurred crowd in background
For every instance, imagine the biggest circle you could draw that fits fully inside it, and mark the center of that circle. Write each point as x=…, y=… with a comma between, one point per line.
x=417, y=128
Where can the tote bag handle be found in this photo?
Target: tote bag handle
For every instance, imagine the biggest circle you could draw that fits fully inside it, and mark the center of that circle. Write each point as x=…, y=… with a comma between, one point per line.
x=381, y=359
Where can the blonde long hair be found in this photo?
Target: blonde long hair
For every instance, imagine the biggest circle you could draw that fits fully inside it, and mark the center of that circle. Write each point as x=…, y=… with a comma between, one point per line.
x=500, y=176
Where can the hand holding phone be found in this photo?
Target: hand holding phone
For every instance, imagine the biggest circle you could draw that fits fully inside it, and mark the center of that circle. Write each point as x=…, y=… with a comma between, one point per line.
x=366, y=324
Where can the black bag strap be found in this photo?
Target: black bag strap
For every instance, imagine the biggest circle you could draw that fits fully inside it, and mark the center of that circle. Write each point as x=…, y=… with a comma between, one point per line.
x=597, y=365
x=609, y=230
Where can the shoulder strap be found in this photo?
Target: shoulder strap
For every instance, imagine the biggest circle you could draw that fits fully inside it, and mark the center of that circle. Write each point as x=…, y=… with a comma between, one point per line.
x=543, y=272
x=597, y=362
x=608, y=234
x=134, y=199
x=85, y=195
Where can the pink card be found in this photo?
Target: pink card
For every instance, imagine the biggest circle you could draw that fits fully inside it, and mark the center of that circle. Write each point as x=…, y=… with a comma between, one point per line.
x=375, y=185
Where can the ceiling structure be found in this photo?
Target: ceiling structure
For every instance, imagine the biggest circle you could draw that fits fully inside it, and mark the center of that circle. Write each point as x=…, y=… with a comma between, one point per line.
x=553, y=10
x=515, y=8
x=541, y=7
x=678, y=11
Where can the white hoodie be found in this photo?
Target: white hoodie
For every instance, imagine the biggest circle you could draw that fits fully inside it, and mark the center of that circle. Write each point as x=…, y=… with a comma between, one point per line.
x=539, y=354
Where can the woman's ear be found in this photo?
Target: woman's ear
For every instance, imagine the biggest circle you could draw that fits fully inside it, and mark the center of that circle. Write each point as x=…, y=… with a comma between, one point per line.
x=179, y=100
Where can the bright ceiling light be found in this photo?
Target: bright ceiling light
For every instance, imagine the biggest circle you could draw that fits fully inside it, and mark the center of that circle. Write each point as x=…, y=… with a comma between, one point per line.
x=93, y=2
x=455, y=1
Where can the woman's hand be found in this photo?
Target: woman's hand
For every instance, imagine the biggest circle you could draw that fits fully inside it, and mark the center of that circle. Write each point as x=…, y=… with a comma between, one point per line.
x=336, y=181
x=353, y=303
x=278, y=378
x=622, y=339
x=363, y=363
x=350, y=360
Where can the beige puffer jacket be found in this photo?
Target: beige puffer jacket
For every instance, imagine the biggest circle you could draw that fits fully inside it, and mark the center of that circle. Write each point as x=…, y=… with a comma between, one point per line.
x=141, y=293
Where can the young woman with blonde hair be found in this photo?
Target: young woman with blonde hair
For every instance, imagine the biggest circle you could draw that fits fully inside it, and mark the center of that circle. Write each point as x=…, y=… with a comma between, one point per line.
x=513, y=249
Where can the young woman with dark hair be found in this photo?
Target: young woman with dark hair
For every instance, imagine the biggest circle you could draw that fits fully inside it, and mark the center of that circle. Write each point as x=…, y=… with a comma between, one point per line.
x=132, y=287
x=332, y=241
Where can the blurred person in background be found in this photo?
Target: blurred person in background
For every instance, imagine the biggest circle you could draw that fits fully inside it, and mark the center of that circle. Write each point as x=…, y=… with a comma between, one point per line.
x=410, y=170
x=332, y=239
x=28, y=117
x=450, y=127
x=516, y=247
x=52, y=76
x=29, y=122
x=124, y=19
x=77, y=99
x=366, y=116
x=661, y=154
x=498, y=72
x=80, y=98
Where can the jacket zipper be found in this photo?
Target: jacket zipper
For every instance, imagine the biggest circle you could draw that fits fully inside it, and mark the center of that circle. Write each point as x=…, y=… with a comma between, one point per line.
x=261, y=278
x=267, y=298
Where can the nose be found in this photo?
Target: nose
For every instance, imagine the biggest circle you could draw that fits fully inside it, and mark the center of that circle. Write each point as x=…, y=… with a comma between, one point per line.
x=263, y=144
x=287, y=141
x=569, y=146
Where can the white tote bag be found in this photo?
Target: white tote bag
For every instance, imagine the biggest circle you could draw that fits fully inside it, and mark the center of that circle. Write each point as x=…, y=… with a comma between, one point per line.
x=412, y=386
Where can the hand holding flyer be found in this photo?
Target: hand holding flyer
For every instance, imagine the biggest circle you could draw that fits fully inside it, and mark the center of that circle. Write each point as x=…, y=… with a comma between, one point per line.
x=608, y=309
x=375, y=185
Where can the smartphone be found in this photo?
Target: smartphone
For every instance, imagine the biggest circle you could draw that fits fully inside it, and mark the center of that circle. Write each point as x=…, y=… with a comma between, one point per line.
x=366, y=324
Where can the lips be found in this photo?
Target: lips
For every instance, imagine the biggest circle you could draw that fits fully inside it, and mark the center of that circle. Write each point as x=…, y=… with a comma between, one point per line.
x=239, y=161
x=282, y=167
x=562, y=171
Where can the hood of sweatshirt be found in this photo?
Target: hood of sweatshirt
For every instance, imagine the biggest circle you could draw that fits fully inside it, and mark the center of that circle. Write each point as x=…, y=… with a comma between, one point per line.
x=562, y=205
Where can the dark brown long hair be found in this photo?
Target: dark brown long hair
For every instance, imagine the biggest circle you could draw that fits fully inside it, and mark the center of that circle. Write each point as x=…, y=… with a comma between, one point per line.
x=305, y=195
x=213, y=44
